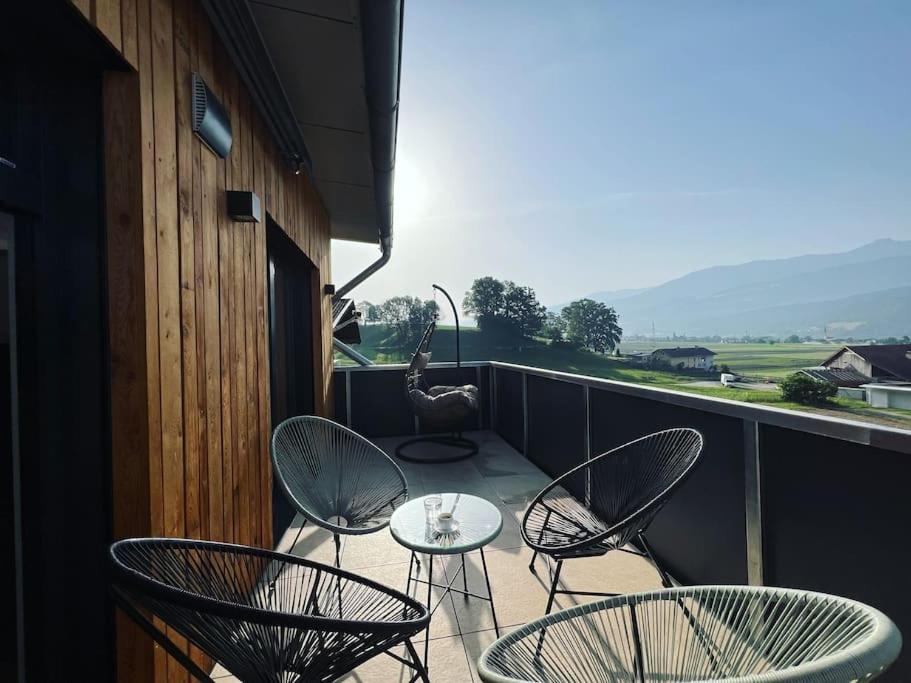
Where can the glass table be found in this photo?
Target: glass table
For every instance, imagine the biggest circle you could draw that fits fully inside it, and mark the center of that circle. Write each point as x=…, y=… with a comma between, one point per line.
x=478, y=521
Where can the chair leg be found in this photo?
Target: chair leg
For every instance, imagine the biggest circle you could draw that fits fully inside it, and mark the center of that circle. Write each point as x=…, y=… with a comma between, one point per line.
x=416, y=662
x=553, y=587
x=665, y=579
x=531, y=565
x=290, y=552
x=158, y=636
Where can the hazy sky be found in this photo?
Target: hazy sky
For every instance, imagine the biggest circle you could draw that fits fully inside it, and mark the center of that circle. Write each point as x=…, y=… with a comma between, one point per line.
x=583, y=146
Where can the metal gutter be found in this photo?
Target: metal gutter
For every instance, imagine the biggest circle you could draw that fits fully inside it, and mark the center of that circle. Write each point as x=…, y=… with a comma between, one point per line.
x=381, y=33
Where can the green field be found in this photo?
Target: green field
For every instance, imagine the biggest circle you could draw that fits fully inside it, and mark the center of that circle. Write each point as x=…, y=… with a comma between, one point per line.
x=753, y=360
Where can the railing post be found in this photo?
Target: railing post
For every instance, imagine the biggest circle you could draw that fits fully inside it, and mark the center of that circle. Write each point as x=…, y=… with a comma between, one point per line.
x=494, y=422
x=525, y=414
x=753, y=480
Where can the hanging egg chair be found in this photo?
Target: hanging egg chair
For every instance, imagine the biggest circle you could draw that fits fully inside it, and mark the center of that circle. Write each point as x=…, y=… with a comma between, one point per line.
x=442, y=411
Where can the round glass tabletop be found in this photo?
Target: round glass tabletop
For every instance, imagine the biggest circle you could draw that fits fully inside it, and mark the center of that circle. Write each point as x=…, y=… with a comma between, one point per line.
x=477, y=523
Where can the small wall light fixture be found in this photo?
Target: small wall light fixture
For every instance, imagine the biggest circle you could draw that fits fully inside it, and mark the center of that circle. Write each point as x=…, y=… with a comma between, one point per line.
x=244, y=207
x=329, y=289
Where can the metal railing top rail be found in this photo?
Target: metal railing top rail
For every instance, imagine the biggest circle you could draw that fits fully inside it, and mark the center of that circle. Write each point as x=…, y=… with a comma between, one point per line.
x=889, y=438
x=404, y=366
x=879, y=436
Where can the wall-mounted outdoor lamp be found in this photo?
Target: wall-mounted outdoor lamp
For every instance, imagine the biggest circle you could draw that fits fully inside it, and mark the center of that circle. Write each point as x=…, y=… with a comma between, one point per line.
x=329, y=289
x=210, y=120
x=244, y=207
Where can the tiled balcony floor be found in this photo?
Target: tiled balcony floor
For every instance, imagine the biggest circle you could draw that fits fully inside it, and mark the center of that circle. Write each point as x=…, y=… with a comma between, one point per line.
x=461, y=629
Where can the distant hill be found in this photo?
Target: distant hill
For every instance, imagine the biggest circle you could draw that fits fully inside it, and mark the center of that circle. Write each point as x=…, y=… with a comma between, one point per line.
x=861, y=292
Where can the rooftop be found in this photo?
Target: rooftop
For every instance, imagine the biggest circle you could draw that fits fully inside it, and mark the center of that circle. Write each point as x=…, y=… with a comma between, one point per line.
x=893, y=358
x=685, y=352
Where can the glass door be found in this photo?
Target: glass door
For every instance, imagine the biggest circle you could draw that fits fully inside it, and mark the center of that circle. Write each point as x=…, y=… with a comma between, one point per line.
x=291, y=329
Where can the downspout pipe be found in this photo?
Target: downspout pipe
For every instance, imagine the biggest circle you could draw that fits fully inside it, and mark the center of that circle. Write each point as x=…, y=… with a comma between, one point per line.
x=381, y=33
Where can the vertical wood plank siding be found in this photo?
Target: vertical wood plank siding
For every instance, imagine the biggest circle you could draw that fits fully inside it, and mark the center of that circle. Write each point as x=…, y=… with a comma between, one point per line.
x=189, y=296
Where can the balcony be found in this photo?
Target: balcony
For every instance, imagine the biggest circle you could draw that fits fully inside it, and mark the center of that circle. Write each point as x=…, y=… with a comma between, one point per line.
x=780, y=498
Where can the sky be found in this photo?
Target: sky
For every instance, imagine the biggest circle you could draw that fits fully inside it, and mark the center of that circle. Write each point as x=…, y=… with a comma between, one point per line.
x=586, y=146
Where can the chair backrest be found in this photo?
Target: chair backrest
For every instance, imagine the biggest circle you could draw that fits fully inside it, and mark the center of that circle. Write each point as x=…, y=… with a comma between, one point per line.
x=721, y=633
x=334, y=476
x=623, y=490
x=414, y=375
x=638, y=477
x=264, y=615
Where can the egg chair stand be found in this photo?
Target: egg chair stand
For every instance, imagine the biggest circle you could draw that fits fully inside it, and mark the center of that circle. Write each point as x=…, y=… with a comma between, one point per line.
x=440, y=410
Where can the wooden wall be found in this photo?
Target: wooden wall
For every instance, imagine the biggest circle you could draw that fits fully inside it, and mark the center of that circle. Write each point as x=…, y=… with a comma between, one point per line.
x=188, y=294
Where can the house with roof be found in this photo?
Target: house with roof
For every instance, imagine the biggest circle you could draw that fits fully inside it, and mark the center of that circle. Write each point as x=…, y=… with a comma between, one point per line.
x=879, y=362
x=843, y=378
x=686, y=358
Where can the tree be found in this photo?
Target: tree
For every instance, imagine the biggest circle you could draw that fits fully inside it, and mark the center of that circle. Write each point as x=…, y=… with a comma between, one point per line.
x=484, y=300
x=504, y=308
x=522, y=309
x=793, y=339
x=408, y=316
x=554, y=327
x=801, y=388
x=593, y=325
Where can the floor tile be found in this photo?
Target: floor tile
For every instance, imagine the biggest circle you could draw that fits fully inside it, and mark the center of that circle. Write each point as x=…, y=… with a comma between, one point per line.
x=448, y=663
x=519, y=596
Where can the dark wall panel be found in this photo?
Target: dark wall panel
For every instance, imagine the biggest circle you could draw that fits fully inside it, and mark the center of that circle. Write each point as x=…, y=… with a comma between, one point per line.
x=834, y=519
x=485, y=390
x=700, y=534
x=556, y=428
x=340, y=396
x=378, y=404
x=510, y=422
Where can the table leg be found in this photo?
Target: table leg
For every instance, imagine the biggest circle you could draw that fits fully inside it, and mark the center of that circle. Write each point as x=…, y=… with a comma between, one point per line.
x=429, y=589
x=493, y=610
x=464, y=577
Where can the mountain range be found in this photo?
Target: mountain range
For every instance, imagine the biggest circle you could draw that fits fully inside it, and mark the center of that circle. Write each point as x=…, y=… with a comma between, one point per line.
x=864, y=292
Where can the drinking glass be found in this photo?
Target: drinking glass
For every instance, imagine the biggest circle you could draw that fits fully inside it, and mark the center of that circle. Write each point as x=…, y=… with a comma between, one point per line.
x=432, y=505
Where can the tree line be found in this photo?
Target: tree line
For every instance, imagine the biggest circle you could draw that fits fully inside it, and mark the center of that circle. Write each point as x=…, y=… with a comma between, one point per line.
x=507, y=312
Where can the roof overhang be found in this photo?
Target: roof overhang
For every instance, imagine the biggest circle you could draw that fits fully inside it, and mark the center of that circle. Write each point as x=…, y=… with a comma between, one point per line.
x=330, y=68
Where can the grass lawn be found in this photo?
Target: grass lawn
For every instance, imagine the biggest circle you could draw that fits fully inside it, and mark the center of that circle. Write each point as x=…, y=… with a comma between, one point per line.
x=756, y=360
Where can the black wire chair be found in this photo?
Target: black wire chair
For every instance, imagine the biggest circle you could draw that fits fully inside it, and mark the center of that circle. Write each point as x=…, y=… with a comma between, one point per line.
x=624, y=490
x=264, y=616
x=442, y=410
x=335, y=477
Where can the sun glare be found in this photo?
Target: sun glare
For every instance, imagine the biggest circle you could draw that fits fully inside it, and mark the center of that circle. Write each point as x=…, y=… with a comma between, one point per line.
x=412, y=192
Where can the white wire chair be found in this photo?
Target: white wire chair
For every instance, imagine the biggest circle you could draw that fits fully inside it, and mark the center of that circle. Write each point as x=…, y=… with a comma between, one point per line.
x=741, y=634
x=335, y=477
